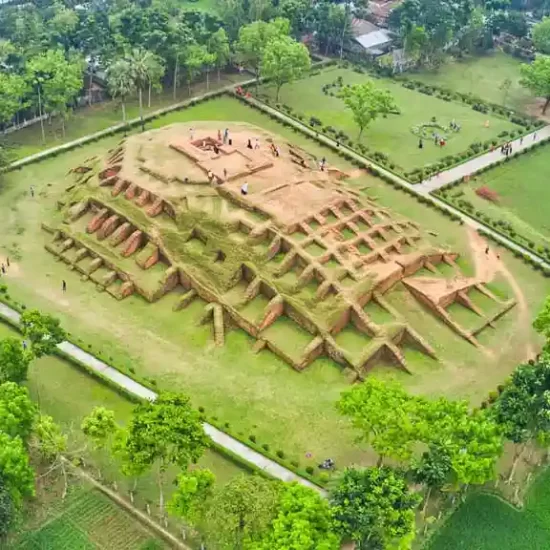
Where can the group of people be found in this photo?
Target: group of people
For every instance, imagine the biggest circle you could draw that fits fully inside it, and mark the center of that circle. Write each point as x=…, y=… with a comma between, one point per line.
x=506, y=149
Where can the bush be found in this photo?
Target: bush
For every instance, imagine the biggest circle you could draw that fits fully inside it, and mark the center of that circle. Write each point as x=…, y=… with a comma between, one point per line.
x=252, y=438
x=488, y=194
x=314, y=121
x=295, y=463
x=280, y=454
x=310, y=470
x=265, y=447
x=201, y=409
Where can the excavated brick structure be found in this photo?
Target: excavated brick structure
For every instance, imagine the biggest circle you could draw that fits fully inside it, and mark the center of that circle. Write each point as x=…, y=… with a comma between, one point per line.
x=156, y=208
x=109, y=225
x=121, y=234
x=97, y=220
x=132, y=243
x=143, y=198
x=120, y=186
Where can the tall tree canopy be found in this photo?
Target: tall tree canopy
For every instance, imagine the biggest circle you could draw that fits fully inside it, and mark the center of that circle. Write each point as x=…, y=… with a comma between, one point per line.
x=374, y=508
x=536, y=77
x=42, y=330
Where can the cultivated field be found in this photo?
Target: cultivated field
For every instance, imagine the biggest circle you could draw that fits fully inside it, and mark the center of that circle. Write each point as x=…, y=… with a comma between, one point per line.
x=86, y=520
x=259, y=394
x=486, y=522
x=394, y=134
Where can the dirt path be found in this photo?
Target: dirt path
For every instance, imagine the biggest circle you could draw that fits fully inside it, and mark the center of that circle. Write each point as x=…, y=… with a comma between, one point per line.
x=487, y=266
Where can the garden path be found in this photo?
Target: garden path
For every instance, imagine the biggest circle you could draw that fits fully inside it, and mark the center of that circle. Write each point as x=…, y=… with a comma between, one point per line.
x=131, y=386
x=470, y=167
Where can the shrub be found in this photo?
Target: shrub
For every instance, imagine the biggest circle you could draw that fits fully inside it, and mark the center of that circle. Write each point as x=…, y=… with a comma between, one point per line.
x=314, y=121
x=280, y=454
x=201, y=409
x=310, y=470
x=252, y=438
x=265, y=447
x=295, y=463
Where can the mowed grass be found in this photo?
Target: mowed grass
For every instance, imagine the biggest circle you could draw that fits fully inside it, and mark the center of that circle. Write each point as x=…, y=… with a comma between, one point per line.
x=91, y=119
x=524, y=194
x=86, y=520
x=482, y=77
x=485, y=522
x=392, y=135
x=255, y=394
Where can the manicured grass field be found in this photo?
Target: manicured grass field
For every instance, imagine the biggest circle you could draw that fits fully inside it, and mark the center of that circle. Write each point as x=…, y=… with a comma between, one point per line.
x=86, y=520
x=485, y=522
x=256, y=394
x=482, y=77
x=524, y=194
x=393, y=135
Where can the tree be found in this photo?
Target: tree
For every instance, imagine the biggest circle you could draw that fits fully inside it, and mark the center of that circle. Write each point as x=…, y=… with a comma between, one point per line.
x=366, y=103
x=386, y=416
x=43, y=331
x=374, y=508
x=505, y=87
x=253, y=39
x=218, y=45
x=471, y=439
x=332, y=26
x=6, y=510
x=194, y=61
x=51, y=444
x=303, y=522
x=192, y=495
x=433, y=470
x=15, y=471
x=165, y=432
x=241, y=511
x=540, y=35
x=536, y=77
x=284, y=60
x=57, y=82
x=299, y=13
x=542, y=322
x=14, y=361
x=12, y=90
x=155, y=72
x=120, y=82
x=141, y=61
x=17, y=411
x=100, y=427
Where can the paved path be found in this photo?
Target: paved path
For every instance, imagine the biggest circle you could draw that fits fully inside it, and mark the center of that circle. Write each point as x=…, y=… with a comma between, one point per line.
x=487, y=159
x=414, y=188
x=222, y=439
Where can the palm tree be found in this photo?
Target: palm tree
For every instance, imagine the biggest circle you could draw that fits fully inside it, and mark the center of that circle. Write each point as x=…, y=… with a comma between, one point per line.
x=140, y=61
x=120, y=81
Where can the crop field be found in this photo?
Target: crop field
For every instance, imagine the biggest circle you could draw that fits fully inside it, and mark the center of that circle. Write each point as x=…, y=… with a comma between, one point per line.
x=88, y=520
x=393, y=135
x=485, y=522
x=253, y=393
x=522, y=195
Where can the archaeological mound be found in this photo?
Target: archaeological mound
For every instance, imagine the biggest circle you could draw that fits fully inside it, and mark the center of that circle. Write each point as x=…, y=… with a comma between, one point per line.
x=272, y=238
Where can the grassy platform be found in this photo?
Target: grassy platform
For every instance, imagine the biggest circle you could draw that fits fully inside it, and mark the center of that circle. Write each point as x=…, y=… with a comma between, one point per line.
x=255, y=393
x=393, y=135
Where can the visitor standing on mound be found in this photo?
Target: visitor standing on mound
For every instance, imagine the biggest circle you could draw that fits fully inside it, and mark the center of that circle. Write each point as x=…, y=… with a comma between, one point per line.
x=64, y=285
x=225, y=135
x=244, y=188
x=420, y=144
x=219, y=135
x=257, y=144
x=191, y=133
x=249, y=144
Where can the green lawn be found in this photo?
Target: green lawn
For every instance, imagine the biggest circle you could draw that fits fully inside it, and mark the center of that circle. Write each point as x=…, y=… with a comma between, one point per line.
x=88, y=120
x=483, y=78
x=255, y=394
x=524, y=194
x=485, y=522
x=393, y=135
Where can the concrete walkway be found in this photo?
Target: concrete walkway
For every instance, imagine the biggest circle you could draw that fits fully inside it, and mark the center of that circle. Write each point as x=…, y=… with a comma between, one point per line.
x=470, y=167
x=220, y=438
x=416, y=189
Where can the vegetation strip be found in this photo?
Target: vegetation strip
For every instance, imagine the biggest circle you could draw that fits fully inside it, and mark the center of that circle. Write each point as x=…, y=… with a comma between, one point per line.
x=141, y=392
